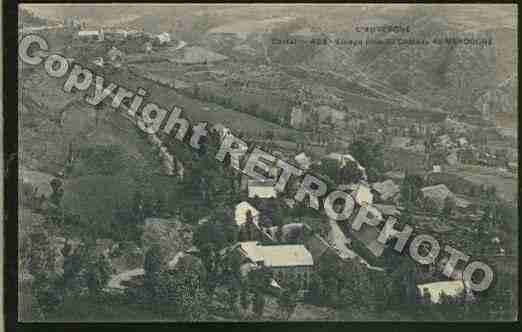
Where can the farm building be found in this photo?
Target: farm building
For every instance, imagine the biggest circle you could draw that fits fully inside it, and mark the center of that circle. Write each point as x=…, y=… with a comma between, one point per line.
x=284, y=260
x=261, y=189
x=386, y=190
x=90, y=35
x=436, y=195
x=436, y=289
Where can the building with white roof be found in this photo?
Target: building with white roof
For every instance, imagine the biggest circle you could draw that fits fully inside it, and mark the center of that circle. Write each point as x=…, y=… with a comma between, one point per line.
x=436, y=289
x=97, y=35
x=363, y=195
x=241, y=213
x=262, y=189
x=303, y=160
x=283, y=260
x=163, y=38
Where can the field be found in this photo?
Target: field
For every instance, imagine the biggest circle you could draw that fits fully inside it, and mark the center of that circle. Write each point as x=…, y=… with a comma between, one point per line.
x=198, y=111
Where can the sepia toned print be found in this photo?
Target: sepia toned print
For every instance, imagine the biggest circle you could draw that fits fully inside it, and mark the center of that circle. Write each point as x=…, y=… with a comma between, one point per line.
x=268, y=162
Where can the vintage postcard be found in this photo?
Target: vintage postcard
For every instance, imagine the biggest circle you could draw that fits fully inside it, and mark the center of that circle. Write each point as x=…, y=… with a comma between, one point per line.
x=267, y=162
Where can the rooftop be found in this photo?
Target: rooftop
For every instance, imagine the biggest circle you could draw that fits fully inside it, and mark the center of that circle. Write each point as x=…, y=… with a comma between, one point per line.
x=450, y=288
x=278, y=255
x=241, y=211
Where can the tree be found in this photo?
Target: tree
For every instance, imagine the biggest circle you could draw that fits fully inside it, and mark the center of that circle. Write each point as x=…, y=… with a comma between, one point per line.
x=48, y=290
x=288, y=299
x=152, y=267
x=403, y=283
x=211, y=232
x=330, y=168
x=410, y=189
x=208, y=256
x=258, y=304
x=251, y=228
x=233, y=295
x=56, y=210
x=279, y=234
x=181, y=293
x=370, y=155
x=98, y=274
x=71, y=265
x=244, y=296
x=316, y=289
x=350, y=172
x=260, y=280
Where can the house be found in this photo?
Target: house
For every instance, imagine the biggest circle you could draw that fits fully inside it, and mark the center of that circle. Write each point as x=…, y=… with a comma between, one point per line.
x=221, y=130
x=147, y=47
x=436, y=169
x=290, y=233
x=284, y=260
x=290, y=202
x=72, y=23
x=241, y=213
x=118, y=282
x=452, y=158
x=90, y=35
x=240, y=217
x=395, y=175
x=436, y=195
x=297, y=118
x=118, y=34
x=362, y=195
x=163, y=38
x=303, y=161
x=436, y=289
x=261, y=189
x=327, y=113
x=461, y=203
x=386, y=190
x=115, y=56
x=463, y=142
x=444, y=140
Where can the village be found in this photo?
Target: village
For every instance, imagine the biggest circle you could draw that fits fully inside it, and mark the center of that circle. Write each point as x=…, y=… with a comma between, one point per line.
x=214, y=244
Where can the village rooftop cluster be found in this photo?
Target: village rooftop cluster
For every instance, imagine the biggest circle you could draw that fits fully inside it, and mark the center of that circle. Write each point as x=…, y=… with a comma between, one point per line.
x=151, y=118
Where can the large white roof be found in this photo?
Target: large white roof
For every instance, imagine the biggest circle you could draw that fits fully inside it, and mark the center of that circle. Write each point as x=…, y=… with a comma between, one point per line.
x=88, y=33
x=261, y=189
x=278, y=255
x=450, y=288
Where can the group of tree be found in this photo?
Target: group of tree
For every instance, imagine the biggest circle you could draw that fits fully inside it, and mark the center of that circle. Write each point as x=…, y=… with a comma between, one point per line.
x=410, y=190
x=345, y=173
x=85, y=273
x=370, y=154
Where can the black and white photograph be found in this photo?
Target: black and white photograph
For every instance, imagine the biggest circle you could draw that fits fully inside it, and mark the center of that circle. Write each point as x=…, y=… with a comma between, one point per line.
x=262, y=162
